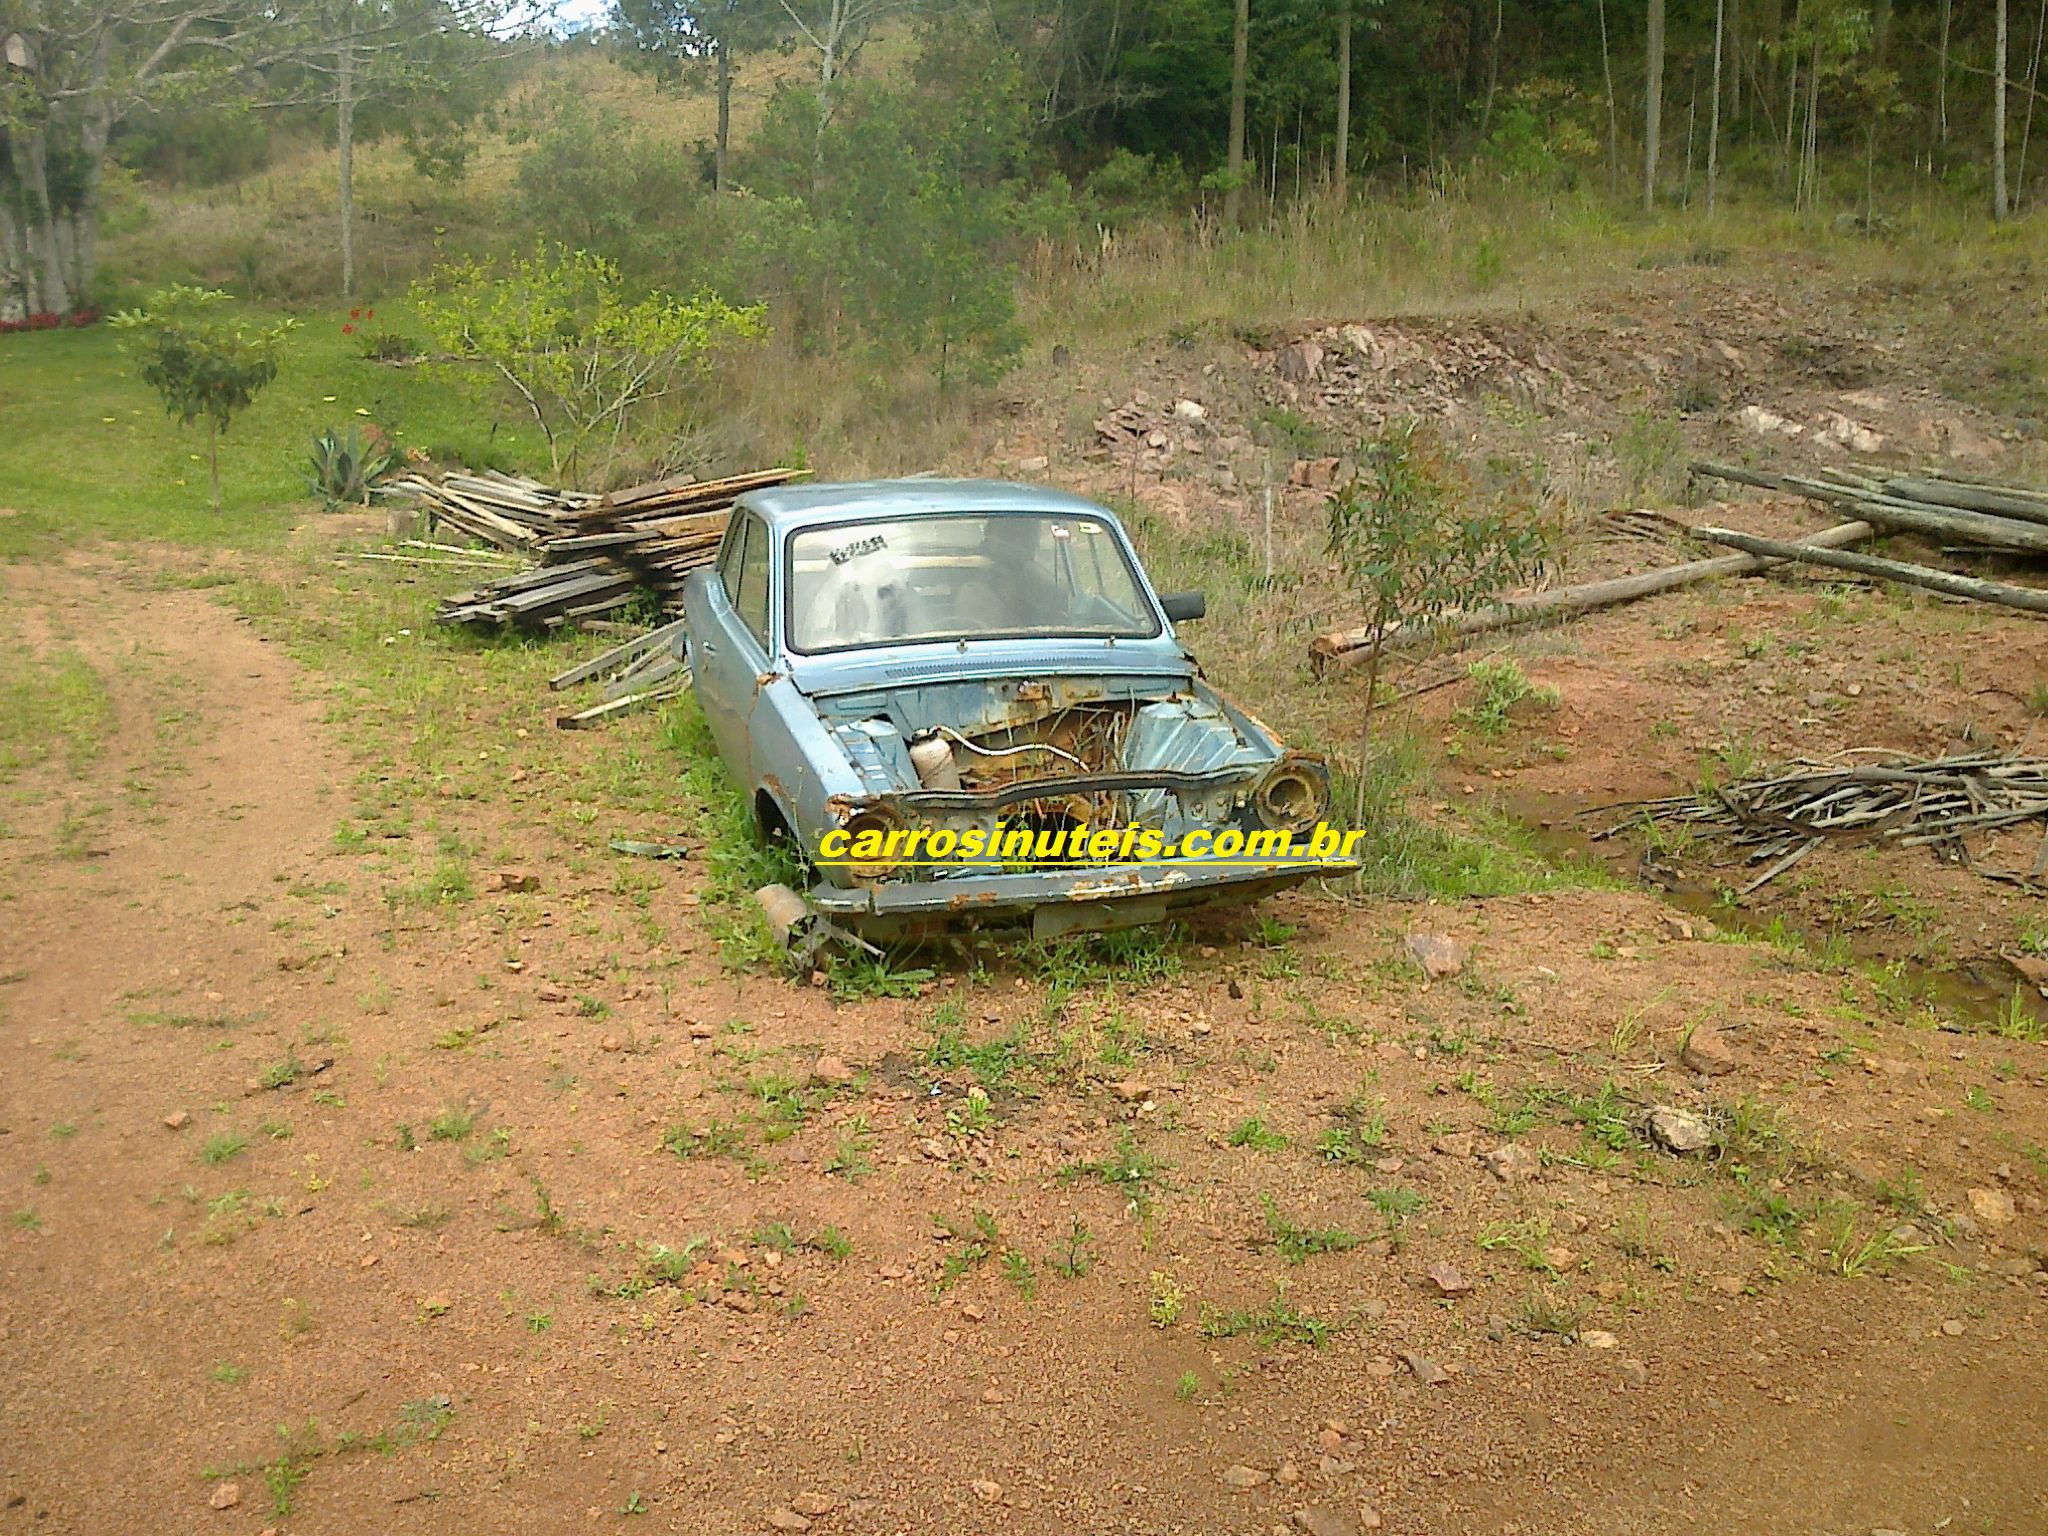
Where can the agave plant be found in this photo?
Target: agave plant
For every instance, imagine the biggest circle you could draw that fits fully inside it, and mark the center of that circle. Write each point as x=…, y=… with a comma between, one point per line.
x=346, y=468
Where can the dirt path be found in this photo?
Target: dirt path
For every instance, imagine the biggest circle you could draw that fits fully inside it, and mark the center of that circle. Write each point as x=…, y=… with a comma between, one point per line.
x=454, y=1258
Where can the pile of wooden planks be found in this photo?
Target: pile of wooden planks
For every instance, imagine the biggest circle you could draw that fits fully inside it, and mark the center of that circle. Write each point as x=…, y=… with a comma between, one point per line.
x=1931, y=802
x=595, y=554
x=509, y=511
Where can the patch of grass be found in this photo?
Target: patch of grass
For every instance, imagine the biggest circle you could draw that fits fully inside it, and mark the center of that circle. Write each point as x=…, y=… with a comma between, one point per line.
x=50, y=706
x=1456, y=856
x=976, y=1241
x=1525, y=1239
x=455, y=1122
x=1252, y=1132
x=1018, y=1271
x=853, y=1154
x=1499, y=686
x=863, y=977
x=1853, y=1253
x=994, y=1063
x=1129, y=1169
x=1278, y=1322
x=1545, y=1311
x=223, y=1146
x=1297, y=1244
x=737, y=859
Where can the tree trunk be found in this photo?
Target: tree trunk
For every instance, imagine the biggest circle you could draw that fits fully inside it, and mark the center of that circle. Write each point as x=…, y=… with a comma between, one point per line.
x=1735, y=56
x=2019, y=175
x=1344, y=97
x=1809, y=164
x=1492, y=71
x=1714, y=112
x=1941, y=73
x=1613, y=120
x=1999, y=206
x=1240, y=45
x=345, y=147
x=14, y=257
x=213, y=459
x=39, y=224
x=1653, y=101
x=724, y=141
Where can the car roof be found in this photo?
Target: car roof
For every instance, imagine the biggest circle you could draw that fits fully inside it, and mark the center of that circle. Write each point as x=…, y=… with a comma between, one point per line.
x=797, y=506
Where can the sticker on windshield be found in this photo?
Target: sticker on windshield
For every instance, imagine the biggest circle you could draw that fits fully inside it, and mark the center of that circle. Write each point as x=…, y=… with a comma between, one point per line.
x=857, y=548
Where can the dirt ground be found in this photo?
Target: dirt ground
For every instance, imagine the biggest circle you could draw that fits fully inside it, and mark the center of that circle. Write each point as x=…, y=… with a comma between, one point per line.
x=333, y=1208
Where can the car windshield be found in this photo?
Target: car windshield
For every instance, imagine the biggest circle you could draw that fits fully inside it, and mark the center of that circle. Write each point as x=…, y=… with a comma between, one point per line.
x=961, y=576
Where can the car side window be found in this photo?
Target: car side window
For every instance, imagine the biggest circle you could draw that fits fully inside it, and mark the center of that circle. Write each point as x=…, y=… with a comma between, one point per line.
x=729, y=554
x=750, y=597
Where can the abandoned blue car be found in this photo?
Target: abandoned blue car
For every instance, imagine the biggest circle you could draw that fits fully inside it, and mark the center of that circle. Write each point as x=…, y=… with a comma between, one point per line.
x=962, y=701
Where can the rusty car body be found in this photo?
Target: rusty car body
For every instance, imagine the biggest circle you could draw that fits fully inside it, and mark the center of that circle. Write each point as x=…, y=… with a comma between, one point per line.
x=979, y=657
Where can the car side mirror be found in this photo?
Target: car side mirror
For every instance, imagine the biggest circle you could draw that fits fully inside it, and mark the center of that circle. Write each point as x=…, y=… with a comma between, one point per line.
x=1180, y=607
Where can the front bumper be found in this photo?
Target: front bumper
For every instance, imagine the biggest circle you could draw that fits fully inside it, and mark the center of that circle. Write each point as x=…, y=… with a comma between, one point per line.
x=1056, y=902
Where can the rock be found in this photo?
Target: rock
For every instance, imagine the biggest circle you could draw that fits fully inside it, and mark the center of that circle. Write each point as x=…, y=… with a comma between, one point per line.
x=1438, y=955
x=611, y=1043
x=1190, y=410
x=1368, y=1518
x=1318, y=1521
x=1728, y=1285
x=1763, y=422
x=1560, y=1258
x=1424, y=1369
x=1634, y=1373
x=1447, y=1280
x=988, y=1491
x=1706, y=1052
x=177, y=1120
x=514, y=880
x=1679, y=1130
x=1456, y=1144
x=1952, y=1327
x=831, y=1071
x=226, y=1496
x=1509, y=1162
x=1037, y=464
x=1287, y=1472
x=1381, y=1368
x=783, y=1518
x=1851, y=434
x=815, y=1503
x=1244, y=1478
x=1993, y=1207
x=1299, y=362
x=1132, y=1090
x=1598, y=1338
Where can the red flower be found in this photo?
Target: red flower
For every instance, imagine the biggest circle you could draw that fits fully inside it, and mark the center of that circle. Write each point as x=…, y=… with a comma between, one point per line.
x=369, y=314
x=348, y=330
x=355, y=314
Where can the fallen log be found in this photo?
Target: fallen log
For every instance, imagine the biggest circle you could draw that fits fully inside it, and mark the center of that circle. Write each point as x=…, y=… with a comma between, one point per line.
x=1343, y=647
x=2000, y=501
x=2032, y=599
x=1891, y=512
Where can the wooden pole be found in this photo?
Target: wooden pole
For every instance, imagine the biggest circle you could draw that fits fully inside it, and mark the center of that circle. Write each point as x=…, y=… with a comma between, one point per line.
x=1344, y=647
x=2032, y=599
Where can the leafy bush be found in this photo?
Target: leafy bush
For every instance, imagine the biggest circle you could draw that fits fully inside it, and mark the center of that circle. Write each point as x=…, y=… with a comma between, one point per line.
x=558, y=329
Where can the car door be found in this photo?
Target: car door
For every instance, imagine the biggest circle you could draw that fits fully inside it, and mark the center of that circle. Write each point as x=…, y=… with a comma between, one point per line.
x=730, y=651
